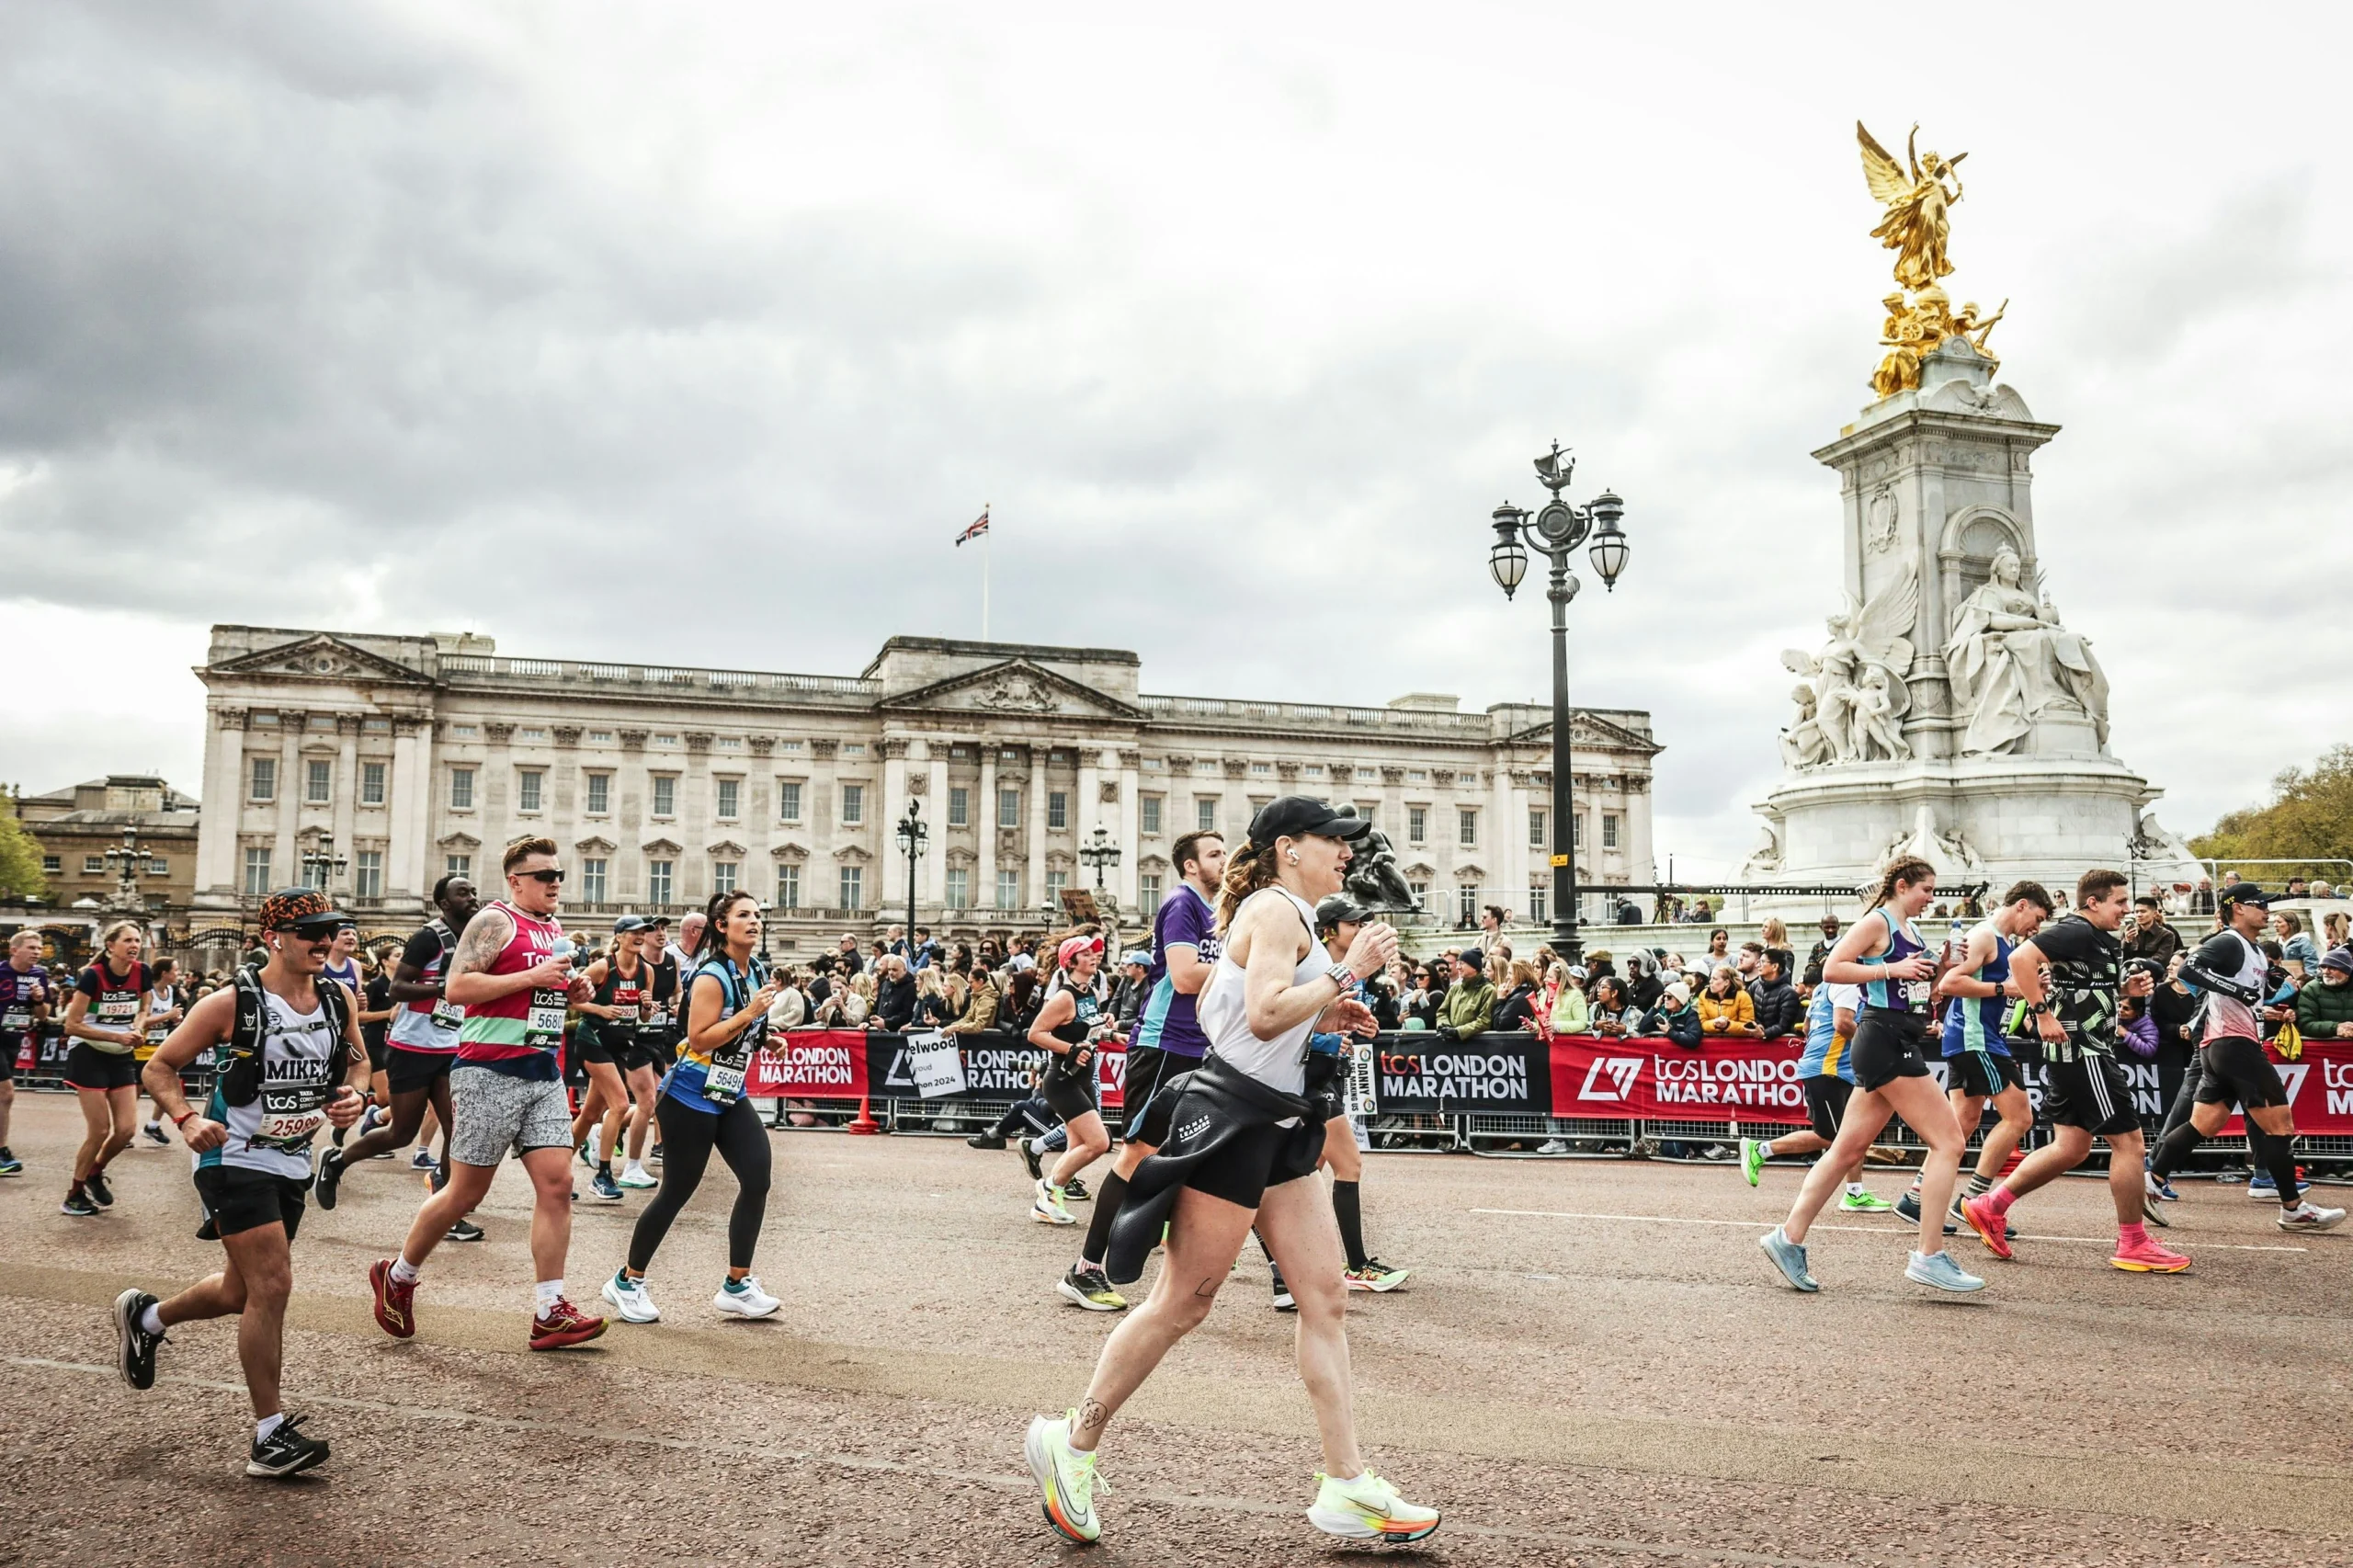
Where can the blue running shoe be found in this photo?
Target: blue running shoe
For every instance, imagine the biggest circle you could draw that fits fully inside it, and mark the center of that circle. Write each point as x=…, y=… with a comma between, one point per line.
x=1789, y=1256
x=1938, y=1270
x=605, y=1187
x=2158, y=1186
x=1907, y=1208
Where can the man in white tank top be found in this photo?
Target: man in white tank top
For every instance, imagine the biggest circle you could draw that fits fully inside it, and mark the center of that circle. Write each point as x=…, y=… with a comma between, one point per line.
x=1234, y=1160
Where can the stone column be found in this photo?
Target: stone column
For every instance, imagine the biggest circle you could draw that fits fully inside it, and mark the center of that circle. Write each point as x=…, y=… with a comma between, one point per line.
x=407, y=857
x=346, y=796
x=1636, y=842
x=284, y=858
x=894, y=891
x=1511, y=787
x=1130, y=832
x=985, y=829
x=1034, y=879
x=934, y=872
x=217, y=862
x=1087, y=809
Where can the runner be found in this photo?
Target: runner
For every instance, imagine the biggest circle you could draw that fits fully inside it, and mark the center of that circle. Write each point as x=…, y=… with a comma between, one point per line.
x=610, y=1020
x=105, y=1017
x=1166, y=1043
x=27, y=995
x=1070, y=1024
x=1885, y=958
x=703, y=1106
x=1238, y=1155
x=656, y=1045
x=423, y=1042
x=512, y=973
x=376, y=1011
x=164, y=1016
x=2238, y=980
x=1826, y=1068
x=2069, y=974
x=1338, y=918
x=1979, y=1067
x=291, y=1062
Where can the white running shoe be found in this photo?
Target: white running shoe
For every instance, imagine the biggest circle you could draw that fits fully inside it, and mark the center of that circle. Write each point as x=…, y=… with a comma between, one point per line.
x=635, y=1175
x=2311, y=1216
x=628, y=1297
x=745, y=1298
x=1047, y=1209
x=1367, y=1509
x=1066, y=1479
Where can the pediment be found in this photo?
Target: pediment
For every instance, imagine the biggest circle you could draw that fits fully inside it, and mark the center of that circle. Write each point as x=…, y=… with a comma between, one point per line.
x=790, y=854
x=851, y=855
x=1013, y=686
x=595, y=846
x=1585, y=729
x=461, y=842
x=726, y=850
x=660, y=846
x=320, y=657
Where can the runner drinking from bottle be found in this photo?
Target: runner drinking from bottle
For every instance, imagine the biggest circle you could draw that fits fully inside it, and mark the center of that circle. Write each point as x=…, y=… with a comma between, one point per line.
x=610, y=1020
x=704, y=1106
x=105, y=1017
x=1068, y=1028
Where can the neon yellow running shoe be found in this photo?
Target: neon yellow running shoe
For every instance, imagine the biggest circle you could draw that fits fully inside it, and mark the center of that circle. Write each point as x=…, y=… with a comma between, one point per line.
x=1367, y=1509
x=1065, y=1477
x=1863, y=1203
x=1047, y=1206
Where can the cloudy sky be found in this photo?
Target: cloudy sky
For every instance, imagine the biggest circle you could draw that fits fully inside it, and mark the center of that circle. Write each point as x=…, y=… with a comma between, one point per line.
x=694, y=333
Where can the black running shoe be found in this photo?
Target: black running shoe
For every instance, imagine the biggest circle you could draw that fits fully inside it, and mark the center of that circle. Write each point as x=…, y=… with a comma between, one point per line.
x=1032, y=1158
x=335, y=1137
x=285, y=1451
x=1074, y=1192
x=135, y=1347
x=156, y=1134
x=464, y=1230
x=330, y=1178
x=984, y=1140
x=1284, y=1299
x=438, y=1177
x=78, y=1205
x=95, y=1184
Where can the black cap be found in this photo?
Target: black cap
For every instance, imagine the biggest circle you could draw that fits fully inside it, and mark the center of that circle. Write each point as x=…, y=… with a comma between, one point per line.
x=628, y=923
x=1302, y=816
x=1340, y=907
x=2245, y=892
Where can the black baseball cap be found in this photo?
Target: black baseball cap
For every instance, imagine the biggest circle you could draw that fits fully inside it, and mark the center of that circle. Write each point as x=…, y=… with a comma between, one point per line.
x=628, y=922
x=1340, y=907
x=1302, y=816
x=2245, y=892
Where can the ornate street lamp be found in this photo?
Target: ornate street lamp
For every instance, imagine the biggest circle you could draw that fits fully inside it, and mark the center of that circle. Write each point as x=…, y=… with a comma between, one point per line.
x=913, y=832
x=128, y=861
x=1100, y=852
x=321, y=862
x=1555, y=531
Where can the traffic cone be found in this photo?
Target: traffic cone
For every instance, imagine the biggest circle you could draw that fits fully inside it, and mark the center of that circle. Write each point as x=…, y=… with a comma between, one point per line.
x=863, y=1123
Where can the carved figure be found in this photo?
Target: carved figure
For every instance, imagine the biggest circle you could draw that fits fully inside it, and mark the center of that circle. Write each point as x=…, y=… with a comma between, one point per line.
x=1967, y=327
x=1802, y=744
x=2010, y=661
x=1858, y=717
x=1918, y=221
x=1373, y=879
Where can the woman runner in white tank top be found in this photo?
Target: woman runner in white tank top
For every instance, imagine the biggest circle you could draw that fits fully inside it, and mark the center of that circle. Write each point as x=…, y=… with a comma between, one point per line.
x=1271, y=985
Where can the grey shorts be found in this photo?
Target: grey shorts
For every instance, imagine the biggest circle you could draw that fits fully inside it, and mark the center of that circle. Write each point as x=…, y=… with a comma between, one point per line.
x=494, y=1112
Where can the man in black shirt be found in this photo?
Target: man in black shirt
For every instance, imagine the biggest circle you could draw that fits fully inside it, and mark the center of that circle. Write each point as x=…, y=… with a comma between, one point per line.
x=2070, y=976
x=895, y=993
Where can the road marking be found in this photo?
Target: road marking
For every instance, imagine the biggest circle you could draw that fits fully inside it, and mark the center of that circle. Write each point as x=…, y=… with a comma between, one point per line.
x=1859, y=1230
x=999, y=1482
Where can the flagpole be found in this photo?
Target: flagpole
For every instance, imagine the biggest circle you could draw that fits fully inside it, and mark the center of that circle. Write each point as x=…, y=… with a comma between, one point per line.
x=984, y=578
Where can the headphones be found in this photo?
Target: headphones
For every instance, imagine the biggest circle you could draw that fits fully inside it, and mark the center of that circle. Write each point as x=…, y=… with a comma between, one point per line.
x=1294, y=857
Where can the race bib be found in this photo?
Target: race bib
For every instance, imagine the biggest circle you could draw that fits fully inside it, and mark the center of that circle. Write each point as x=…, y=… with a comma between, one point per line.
x=657, y=1018
x=446, y=1014
x=1915, y=994
x=16, y=1020
x=290, y=1118
x=543, y=1022
x=724, y=1080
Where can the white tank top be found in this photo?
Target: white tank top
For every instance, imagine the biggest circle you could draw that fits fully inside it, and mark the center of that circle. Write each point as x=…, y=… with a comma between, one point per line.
x=1282, y=1062
x=301, y=1063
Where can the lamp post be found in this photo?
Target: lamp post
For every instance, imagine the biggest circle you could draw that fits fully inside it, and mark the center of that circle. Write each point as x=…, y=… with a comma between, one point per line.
x=1100, y=852
x=912, y=835
x=126, y=860
x=321, y=861
x=1555, y=531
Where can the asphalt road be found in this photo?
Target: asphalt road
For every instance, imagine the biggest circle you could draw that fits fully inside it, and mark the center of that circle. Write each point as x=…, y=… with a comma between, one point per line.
x=1592, y=1364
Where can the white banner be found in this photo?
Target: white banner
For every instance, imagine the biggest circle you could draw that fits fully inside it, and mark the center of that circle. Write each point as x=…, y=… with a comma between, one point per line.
x=935, y=1064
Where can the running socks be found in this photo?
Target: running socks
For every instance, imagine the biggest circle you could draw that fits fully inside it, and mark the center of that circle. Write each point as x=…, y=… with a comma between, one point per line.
x=2174, y=1147
x=1978, y=1187
x=545, y=1294
x=1855, y=1189
x=2132, y=1235
x=2000, y=1198
x=265, y=1425
x=151, y=1322
x=404, y=1272
x=2281, y=1159
x=1347, y=1209
x=1108, y=1199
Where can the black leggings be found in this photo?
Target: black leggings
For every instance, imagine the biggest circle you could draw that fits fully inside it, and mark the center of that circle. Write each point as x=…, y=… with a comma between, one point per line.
x=687, y=1138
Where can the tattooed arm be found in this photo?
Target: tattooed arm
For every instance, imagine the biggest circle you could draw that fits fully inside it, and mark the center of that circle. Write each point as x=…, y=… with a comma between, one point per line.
x=470, y=983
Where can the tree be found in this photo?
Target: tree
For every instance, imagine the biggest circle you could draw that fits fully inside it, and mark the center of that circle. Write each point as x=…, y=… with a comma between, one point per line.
x=2309, y=816
x=20, y=875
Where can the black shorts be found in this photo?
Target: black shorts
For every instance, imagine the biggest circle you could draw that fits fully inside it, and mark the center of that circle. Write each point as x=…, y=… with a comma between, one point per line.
x=87, y=1067
x=1070, y=1098
x=380, y=1055
x=652, y=1051
x=1982, y=1073
x=8, y=1050
x=2237, y=1072
x=1251, y=1162
x=238, y=1200
x=2091, y=1093
x=590, y=1046
x=1888, y=1044
x=1149, y=1070
x=410, y=1071
x=1826, y=1103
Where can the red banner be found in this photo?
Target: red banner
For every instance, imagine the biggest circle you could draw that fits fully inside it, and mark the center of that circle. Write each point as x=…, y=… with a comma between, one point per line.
x=812, y=1064
x=2319, y=1089
x=1647, y=1079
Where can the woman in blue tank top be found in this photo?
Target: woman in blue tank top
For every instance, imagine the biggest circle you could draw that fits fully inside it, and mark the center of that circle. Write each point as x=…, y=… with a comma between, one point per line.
x=1979, y=1064
x=1883, y=955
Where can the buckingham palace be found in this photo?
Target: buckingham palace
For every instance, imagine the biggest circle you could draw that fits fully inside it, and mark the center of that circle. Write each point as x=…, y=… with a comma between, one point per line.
x=376, y=764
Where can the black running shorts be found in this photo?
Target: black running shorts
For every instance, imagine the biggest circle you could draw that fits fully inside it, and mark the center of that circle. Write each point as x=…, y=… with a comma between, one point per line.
x=380, y=1055
x=1826, y=1103
x=87, y=1067
x=410, y=1071
x=1889, y=1045
x=1070, y=1098
x=651, y=1051
x=1251, y=1162
x=1144, y=1093
x=589, y=1045
x=245, y=1201
x=1982, y=1073
x=2237, y=1072
x=2090, y=1093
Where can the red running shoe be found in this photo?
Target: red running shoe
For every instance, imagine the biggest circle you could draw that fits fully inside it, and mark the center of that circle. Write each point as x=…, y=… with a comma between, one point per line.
x=395, y=1303
x=563, y=1324
x=1991, y=1228
x=2145, y=1256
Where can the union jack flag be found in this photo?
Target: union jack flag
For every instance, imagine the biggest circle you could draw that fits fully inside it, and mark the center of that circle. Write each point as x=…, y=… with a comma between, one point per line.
x=980, y=526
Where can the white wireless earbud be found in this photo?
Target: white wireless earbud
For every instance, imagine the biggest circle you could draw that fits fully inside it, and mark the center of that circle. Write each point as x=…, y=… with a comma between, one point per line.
x=1294, y=857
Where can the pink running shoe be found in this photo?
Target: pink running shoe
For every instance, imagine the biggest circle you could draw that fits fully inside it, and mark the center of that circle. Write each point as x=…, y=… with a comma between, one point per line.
x=1993, y=1229
x=2145, y=1256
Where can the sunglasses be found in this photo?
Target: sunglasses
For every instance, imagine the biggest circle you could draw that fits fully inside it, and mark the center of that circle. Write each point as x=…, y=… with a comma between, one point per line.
x=546, y=876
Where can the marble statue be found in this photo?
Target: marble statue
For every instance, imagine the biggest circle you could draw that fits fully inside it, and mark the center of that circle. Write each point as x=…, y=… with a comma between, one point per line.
x=1852, y=704
x=2010, y=661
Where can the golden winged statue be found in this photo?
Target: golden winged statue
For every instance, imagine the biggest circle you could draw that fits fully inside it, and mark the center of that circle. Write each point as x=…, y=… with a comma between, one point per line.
x=1917, y=204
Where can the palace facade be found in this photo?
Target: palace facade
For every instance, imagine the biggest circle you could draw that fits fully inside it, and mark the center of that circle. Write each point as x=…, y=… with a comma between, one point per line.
x=406, y=758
